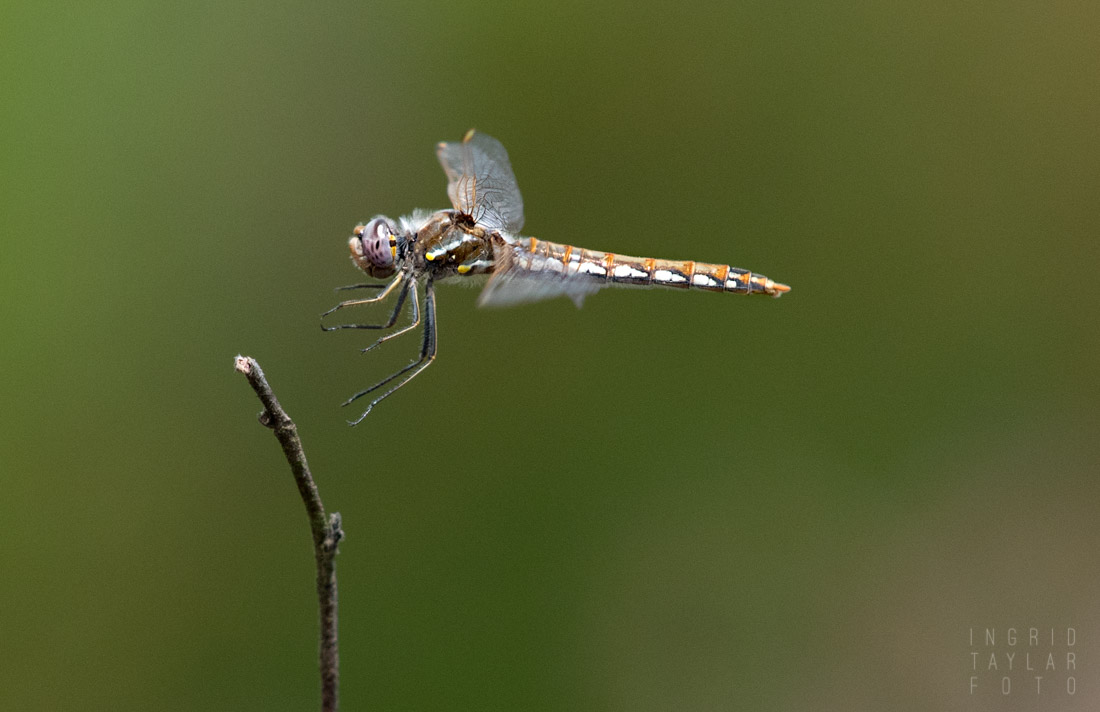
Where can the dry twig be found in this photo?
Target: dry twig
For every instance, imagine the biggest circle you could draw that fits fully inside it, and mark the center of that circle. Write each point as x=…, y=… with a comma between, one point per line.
x=326, y=530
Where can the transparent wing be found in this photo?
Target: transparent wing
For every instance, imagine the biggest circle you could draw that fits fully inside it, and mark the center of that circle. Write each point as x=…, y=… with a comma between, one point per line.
x=520, y=276
x=480, y=181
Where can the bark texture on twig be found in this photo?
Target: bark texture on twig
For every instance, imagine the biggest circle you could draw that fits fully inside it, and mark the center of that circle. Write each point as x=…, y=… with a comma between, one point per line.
x=326, y=530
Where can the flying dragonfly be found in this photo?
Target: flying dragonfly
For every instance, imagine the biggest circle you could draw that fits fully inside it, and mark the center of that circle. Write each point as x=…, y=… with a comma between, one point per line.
x=480, y=237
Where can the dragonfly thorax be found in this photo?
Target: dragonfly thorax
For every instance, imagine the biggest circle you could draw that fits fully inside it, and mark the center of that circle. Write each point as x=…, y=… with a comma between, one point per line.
x=374, y=247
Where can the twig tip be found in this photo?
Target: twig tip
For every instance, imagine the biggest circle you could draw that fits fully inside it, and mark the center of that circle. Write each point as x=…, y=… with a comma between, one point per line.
x=243, y=364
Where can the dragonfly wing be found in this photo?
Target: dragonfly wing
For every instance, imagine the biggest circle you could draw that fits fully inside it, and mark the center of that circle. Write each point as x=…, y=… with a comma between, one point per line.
x=480, y=181
x=521, y=276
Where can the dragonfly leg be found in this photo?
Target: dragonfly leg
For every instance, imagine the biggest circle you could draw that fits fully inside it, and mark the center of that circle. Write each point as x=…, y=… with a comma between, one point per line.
x=355, y=302
x=410, y=286
x=361, y=286
x=427, y=355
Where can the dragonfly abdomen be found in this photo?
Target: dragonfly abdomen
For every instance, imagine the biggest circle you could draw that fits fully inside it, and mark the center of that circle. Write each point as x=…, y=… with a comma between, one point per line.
x=576, y=262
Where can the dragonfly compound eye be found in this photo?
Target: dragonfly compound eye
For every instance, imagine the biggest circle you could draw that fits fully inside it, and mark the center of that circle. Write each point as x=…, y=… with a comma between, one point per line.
x=373, y=247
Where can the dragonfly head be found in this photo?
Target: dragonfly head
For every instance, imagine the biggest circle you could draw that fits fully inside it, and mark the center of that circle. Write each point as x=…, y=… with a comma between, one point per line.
x=374, y=247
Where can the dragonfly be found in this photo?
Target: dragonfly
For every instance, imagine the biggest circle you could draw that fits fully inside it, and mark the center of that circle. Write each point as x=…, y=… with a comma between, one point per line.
x=480, y=238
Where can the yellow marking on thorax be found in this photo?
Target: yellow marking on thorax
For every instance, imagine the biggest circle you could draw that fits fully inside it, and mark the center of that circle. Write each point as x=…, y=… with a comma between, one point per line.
x=463, y=269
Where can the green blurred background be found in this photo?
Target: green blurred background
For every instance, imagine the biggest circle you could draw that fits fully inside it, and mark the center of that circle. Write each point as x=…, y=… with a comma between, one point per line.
x=666, y=501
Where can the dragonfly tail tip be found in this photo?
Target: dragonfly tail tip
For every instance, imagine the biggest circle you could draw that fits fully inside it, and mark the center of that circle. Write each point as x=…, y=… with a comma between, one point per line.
x=776, y=289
